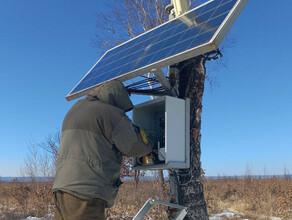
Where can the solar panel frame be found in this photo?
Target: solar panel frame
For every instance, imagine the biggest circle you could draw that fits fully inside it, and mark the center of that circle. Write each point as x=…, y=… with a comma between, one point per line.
x=212, y=44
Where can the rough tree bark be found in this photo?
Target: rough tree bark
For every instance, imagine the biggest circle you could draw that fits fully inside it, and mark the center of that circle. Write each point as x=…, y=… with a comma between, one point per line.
x=192, y=77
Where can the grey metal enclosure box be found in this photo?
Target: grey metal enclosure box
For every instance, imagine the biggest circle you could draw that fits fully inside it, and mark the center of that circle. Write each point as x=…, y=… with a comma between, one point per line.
x=166, y=121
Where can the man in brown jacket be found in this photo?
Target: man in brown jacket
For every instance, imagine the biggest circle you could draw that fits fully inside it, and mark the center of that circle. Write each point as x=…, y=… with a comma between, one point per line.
x=96, y=133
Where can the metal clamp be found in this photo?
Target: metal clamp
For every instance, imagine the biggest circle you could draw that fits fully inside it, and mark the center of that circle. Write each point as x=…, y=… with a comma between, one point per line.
x=164, y=82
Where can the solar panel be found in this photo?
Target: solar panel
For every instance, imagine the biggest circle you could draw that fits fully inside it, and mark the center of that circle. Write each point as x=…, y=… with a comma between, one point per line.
x=198, y=31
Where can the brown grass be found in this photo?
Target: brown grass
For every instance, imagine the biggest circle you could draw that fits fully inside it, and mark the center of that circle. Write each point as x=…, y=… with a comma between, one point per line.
x=255, y=198
x=21, y=199
x=130, y=200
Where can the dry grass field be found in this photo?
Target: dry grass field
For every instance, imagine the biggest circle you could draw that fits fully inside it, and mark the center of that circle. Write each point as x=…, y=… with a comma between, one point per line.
x=21, y=199
x=256, y=198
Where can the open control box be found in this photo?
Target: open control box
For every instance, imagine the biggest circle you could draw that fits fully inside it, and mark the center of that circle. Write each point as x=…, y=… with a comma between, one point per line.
x=166, y=123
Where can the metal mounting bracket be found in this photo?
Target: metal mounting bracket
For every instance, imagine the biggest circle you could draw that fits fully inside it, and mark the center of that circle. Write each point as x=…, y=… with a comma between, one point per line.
x=164, y=82
x=150, y=202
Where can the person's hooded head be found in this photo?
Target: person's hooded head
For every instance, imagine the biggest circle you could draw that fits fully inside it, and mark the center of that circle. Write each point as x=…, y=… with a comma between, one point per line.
x=113, y=93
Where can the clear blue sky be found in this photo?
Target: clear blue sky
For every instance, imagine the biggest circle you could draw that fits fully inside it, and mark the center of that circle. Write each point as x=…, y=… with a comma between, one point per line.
x=45, y=48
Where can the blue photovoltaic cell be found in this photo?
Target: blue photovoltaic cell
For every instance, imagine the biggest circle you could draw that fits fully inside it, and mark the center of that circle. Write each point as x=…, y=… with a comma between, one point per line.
x=195, y=28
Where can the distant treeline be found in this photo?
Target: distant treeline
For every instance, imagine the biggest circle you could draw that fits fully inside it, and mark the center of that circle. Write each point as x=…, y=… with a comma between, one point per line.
x=147, y=178
x=249, y=176
x=25, y=179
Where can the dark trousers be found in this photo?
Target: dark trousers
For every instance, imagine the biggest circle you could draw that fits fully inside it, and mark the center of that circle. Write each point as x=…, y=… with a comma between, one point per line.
x=68, y=207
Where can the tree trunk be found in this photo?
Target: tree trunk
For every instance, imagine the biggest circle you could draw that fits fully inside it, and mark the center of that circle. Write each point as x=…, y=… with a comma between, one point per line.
x=192, y=77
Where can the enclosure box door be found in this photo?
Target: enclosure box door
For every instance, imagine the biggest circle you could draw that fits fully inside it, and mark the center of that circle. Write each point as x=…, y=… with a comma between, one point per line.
x=166, y=123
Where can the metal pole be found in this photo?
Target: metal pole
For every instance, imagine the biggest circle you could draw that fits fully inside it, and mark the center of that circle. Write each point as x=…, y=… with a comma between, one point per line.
x=180, y=7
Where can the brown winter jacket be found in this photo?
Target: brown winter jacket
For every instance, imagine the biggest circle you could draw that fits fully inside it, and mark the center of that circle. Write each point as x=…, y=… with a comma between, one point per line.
x=95, y=134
